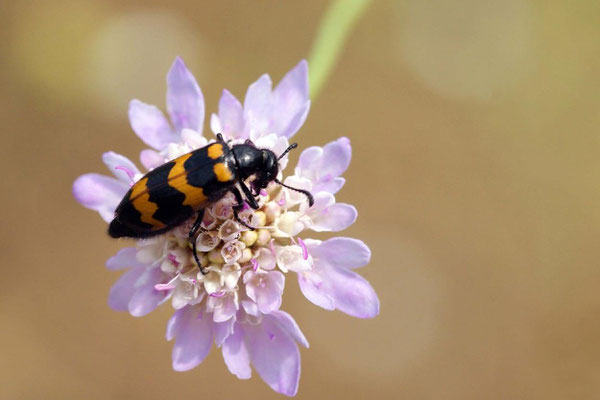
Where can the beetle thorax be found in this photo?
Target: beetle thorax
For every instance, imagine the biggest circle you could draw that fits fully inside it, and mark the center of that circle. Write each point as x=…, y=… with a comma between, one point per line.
x=259, y=162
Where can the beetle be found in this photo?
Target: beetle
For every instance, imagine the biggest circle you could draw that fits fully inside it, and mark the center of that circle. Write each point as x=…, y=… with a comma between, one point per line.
x=173, y=192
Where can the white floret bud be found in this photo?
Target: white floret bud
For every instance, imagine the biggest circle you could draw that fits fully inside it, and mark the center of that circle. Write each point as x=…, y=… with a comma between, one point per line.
x=249, y=238
x=214, y=256
x=246, y=256
x=264, y=236
x=272, y=211
x=259, y=219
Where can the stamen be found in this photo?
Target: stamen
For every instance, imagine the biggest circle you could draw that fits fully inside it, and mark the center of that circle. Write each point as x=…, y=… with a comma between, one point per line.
x=173, y=259
x=304, y=249
x=263, y=192
x=166, y=286
x=281, y=200
x=218, y=294
x=272, y=248
x=129, y=172
x=161, y=287
x=254, y=264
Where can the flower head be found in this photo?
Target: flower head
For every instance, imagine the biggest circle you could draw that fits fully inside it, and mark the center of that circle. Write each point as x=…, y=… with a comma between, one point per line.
x=236, y=303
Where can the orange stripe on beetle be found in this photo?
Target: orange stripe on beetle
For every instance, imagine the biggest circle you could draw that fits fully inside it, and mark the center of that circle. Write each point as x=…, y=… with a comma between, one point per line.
x=177, y=179
x=140, y=198
x=215, y=151
x=222, y=172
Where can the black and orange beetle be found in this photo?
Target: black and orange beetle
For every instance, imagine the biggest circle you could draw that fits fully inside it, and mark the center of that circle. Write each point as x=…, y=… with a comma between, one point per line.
x=170, y=194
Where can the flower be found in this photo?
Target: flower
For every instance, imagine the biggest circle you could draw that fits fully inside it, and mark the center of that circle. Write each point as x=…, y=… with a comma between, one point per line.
x=236, y=304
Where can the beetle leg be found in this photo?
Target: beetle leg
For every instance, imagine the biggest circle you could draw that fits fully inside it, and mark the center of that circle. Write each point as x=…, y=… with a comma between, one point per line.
x=192, y=237
x=238, y=207
x=249, y=196
x=220, y=138
x=197, y=223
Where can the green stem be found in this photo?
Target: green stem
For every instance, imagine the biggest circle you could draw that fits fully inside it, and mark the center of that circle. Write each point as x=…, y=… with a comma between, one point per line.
x=338, y=21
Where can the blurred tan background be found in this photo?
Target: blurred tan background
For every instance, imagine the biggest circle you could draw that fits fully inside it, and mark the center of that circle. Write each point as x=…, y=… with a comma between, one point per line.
x=476, y=173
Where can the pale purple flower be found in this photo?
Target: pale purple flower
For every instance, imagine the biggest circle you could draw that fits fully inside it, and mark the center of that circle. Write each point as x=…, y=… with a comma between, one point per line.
x=134, y=291
x=323, y=166
x=265, y=288
x=267, y=341
x=332, y=284
x=281, y=111
x=236, y=305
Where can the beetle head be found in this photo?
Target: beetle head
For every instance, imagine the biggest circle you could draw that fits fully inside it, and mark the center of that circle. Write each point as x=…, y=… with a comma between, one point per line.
x=268, y=171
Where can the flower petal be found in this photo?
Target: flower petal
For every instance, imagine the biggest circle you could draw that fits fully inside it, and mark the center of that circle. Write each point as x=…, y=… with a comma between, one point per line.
x=332, y=186
x=183, y=294
x=310, y=285
x=265, y=258
x=342, y=252
x=257, y=108
x=223, y=330
x=294, y=197
x=121, y=292
x=269, y=299
x=290, y=101
x=100, y=193
x=150, y=124
x=193, y=340
x=250, y=308
x=185, y=102
x=324, y=166
x=274, y=354
x=296, y=121
x=125, y=258
x=327, y=215
x=293, y=258
x=309, y=163
x=336, y=158
x=350, y=292
x=231, y=116
x=121, y=167
x=151, y=159
x=288, y=323
x=177, y=321
x=225, y=308
x=146, y=298
x=335, y=218
x=215, y=124
x=265, y=288
x=193, y=139
x=236, y=355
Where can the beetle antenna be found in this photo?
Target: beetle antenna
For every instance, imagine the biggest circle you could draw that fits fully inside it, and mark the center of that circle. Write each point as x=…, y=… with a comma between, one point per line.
x=311, y=200
x=291, y=147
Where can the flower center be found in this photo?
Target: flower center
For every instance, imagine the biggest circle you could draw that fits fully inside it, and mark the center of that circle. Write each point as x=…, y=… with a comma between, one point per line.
x=228, y=250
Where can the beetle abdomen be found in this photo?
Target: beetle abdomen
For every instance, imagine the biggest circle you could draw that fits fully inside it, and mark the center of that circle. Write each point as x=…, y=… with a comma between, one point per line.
x=169, y=195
